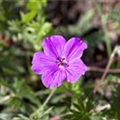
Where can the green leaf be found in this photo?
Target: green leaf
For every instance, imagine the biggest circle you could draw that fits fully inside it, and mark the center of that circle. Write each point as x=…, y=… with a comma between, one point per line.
x=26, y=18
x=83, y=24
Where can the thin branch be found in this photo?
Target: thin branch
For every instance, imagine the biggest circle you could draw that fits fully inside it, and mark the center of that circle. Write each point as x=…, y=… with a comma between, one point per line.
x=6, y=98
x=102, y=70
x=100, y=108
x=97, y=86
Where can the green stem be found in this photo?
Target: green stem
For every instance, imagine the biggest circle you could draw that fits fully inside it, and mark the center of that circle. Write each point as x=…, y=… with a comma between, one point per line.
x=49, y=97
x=35, y=115
x=103, y=19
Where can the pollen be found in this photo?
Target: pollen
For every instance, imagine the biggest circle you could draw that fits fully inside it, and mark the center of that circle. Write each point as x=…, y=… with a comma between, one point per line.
x=62, y=63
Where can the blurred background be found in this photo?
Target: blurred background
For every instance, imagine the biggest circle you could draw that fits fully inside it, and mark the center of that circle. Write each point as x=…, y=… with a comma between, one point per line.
x=23, y=26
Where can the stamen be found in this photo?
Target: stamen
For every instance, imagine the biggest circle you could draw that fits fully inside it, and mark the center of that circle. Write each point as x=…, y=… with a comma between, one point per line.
x=62, y=63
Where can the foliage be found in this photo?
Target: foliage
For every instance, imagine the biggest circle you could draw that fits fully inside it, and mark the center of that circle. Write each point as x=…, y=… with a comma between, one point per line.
x=32, y=27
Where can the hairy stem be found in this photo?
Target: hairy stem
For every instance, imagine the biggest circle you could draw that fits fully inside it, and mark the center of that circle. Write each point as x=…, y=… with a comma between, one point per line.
x=104, y=19
x=36, y=114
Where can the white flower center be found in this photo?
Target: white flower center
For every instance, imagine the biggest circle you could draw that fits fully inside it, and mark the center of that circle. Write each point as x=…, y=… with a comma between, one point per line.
x=62, y=63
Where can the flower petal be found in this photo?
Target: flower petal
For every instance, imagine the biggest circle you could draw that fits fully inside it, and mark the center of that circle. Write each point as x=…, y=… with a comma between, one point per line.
x=53, y=77
x=53, y=46
x=41, y=62
x=74, y=48
x=75, y=70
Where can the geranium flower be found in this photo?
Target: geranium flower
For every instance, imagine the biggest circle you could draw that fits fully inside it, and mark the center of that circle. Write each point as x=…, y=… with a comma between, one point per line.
x=60, y=61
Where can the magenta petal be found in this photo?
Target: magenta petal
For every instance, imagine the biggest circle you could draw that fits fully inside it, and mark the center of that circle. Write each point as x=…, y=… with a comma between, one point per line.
x=41, y=62
x=75, y=70
x=53, y=77
x=53, y=46
x=74, y=48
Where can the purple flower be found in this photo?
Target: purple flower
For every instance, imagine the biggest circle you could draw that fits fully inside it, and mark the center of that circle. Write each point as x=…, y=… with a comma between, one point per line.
x=60, y=61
